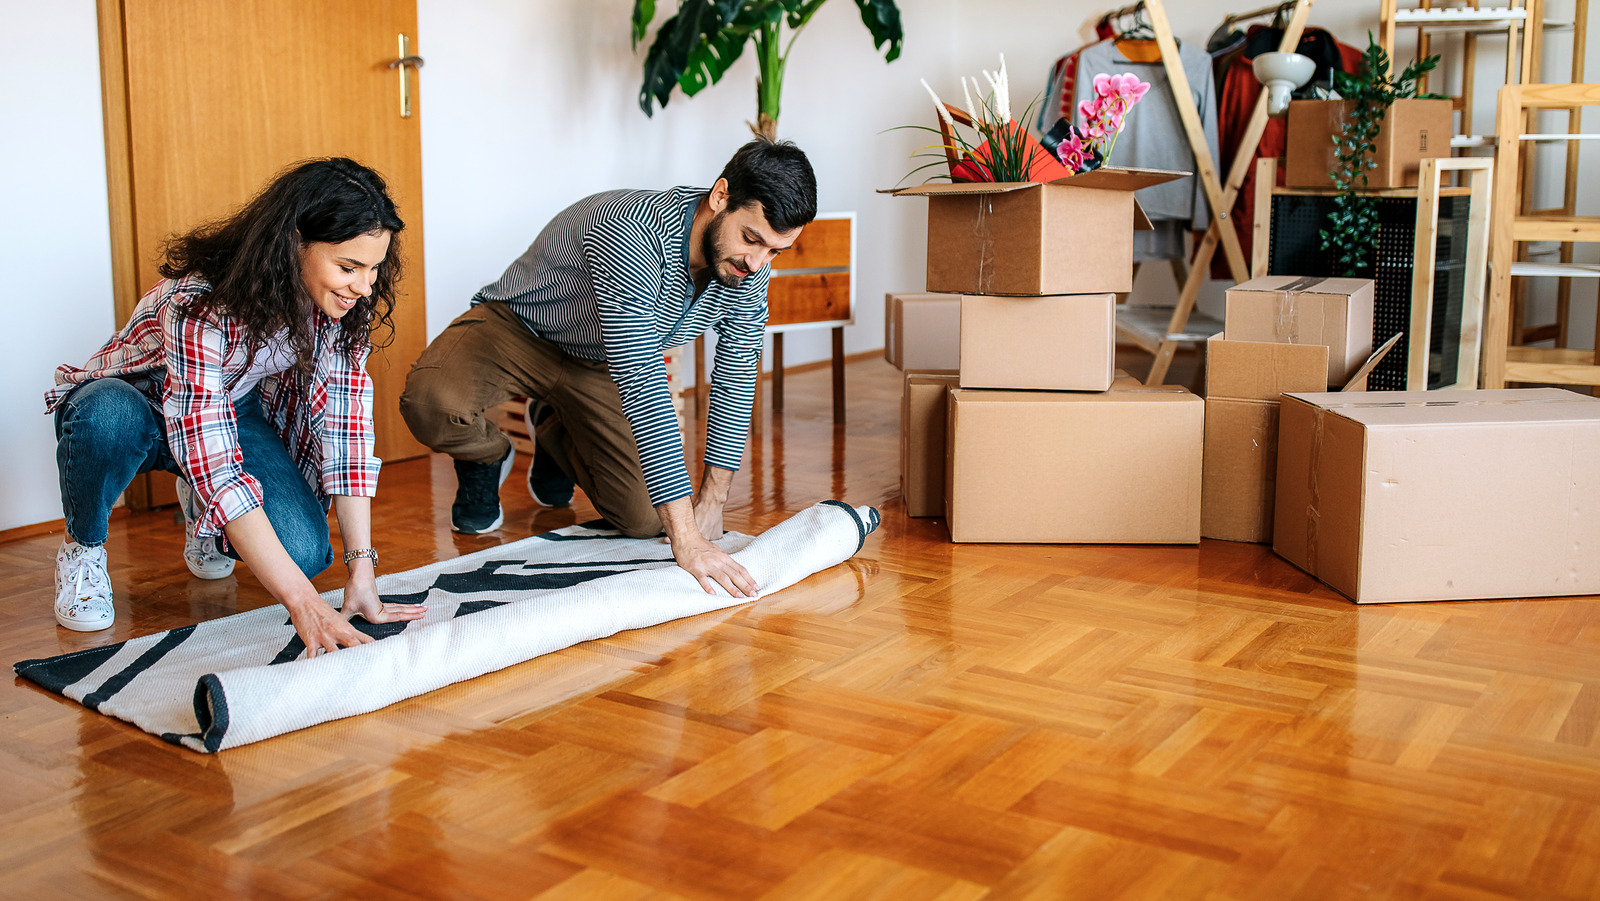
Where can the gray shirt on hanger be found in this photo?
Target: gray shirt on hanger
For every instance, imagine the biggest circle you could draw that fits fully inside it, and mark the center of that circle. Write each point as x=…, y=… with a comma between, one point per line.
x=1153, y=136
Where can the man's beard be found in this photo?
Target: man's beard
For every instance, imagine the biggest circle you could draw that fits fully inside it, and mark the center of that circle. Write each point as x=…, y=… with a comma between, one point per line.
x=715, y=252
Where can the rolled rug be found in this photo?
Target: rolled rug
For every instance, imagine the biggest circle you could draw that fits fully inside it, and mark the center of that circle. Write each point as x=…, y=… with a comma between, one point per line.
x=244, y=678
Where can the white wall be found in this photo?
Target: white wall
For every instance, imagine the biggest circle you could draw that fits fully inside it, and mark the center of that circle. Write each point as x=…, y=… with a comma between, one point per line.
x=526, y=106
x=529, y=105
x=55, y=245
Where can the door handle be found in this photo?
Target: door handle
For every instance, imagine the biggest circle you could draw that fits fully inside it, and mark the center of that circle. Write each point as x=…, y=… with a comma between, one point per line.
x=406, y=60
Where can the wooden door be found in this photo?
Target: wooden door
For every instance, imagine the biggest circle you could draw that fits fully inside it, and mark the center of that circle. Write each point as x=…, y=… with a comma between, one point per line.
x=206, y=101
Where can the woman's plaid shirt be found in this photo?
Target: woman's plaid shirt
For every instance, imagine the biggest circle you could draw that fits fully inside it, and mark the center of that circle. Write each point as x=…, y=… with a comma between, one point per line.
x=187, y=366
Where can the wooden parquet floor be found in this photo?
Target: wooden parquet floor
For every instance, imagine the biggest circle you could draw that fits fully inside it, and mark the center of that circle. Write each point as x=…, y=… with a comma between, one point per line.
x=925, y=722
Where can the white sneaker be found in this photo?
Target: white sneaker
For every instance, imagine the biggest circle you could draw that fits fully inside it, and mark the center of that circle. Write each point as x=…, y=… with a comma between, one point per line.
x=201, y=554
x=83, y=589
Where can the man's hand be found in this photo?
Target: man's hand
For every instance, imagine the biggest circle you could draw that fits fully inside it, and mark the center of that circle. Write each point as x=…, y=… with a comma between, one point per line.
x=361, y=599
x=691, y=526
x=712, y=567
x=708, y=504
x=708, y=517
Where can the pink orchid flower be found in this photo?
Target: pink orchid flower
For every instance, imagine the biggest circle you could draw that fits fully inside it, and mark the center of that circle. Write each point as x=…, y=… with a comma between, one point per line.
x=1072, y=152
x=1126, y=86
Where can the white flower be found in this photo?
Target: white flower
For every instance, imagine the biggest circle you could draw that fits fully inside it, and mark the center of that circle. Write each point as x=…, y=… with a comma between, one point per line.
x=1002, y=94
x=973, y=110
x=939, y=105
x=1005, y=86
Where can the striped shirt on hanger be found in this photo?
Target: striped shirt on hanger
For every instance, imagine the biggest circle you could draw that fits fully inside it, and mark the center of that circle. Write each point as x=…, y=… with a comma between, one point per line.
x=608, y=281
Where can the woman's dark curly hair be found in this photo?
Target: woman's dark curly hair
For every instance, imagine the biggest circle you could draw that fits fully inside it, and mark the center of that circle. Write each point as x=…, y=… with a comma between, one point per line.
x=252, y=258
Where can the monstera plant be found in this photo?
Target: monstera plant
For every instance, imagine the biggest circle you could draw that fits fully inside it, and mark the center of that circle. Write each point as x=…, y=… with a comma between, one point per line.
x=694, y=47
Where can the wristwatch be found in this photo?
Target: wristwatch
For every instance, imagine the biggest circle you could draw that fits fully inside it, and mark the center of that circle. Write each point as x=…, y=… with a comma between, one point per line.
x=362, y=552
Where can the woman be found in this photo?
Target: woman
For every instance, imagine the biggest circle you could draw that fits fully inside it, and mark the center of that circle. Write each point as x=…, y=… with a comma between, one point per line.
x=241, y=372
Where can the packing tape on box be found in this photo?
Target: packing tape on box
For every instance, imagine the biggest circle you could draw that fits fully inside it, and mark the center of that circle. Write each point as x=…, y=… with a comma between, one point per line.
x=1313, y=490
x=1302, y=284
x=982, y=234
x=1286, y=322
x=1286, y=328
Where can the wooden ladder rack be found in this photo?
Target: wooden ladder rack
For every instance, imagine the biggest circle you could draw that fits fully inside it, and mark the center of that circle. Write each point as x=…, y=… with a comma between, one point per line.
x=1220, y=195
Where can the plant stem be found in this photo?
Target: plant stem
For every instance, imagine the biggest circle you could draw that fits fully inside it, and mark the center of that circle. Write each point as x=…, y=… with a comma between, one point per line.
x=769, y=84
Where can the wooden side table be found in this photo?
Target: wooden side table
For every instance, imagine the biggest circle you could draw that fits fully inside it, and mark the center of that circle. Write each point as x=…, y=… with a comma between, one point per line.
x=813, y=285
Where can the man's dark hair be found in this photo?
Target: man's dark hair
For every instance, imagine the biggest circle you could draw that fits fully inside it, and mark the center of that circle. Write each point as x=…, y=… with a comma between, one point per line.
x=777, y=175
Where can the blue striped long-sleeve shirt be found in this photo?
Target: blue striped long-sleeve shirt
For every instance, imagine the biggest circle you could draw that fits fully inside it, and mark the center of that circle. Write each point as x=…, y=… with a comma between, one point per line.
x=608, y=281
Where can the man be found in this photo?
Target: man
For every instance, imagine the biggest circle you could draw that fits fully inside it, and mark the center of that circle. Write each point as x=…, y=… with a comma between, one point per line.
x=579, y=323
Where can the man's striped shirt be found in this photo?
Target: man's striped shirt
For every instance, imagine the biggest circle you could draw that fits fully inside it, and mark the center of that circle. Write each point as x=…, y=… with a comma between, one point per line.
x=608, y=281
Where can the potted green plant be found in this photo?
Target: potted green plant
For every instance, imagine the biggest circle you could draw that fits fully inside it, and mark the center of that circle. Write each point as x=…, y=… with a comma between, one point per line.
x=1369, y=94
x=694, y=47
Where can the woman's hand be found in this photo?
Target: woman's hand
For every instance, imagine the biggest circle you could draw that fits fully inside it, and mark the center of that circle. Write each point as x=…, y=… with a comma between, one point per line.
x=361, y=599
x=322, y=628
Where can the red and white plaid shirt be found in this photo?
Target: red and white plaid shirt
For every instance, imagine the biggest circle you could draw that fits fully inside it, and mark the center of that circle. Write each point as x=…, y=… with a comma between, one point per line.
x=187, y=366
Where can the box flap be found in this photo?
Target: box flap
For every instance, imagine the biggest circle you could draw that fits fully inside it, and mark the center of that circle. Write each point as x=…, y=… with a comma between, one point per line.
x=1116, y=178
x=1344, y=287
x=1358, y=382
x=1259, y=370
x=1109, y=178
x=960, y=187
x=1141, y=222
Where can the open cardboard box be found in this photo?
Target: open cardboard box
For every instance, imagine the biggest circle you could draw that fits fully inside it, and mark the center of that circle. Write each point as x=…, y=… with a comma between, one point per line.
x=1244, y=380
x=1073, y=235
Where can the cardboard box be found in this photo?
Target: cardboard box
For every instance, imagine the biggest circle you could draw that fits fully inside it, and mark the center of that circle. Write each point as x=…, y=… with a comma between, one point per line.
x=922, y=438
x=1070, y=236
x=1243, y=382
x=1412, y=130
x=1441, y=495
x=1287, y=309
x=1118, y=467
x=1064, y=343
x=922, y=331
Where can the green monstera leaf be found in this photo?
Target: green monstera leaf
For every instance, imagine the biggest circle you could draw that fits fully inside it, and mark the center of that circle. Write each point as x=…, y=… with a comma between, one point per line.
x=696, y=46
x=668, y=57
x=882, y=18
x=711, y=58
x=643, y=12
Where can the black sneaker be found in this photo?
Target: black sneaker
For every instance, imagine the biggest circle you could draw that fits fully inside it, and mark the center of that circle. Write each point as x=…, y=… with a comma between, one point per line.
x=477, y=506
x=547, y=484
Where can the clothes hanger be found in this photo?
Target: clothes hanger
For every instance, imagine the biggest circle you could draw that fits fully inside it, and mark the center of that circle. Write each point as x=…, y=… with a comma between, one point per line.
x=1137, y=42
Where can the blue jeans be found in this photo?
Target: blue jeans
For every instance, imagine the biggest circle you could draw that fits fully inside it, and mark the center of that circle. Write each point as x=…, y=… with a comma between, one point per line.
x=107, y=433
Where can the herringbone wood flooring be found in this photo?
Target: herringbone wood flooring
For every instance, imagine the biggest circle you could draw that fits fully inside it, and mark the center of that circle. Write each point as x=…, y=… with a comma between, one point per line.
x=926, y=721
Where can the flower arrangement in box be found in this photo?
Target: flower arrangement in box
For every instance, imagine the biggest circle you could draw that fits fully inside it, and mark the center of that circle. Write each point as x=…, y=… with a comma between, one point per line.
x=1004, y=151
x=1104, y=115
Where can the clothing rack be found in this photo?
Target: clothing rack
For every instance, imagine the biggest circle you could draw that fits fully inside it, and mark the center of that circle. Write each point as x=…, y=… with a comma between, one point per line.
x=1234, y=18
x=1220, y=195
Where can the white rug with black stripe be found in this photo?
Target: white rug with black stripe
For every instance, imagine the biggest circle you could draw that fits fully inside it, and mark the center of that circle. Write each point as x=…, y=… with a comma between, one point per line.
x=244, y=678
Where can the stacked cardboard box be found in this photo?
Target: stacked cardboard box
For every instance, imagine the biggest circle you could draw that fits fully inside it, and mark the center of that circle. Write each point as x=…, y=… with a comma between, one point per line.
x=1282, y=334
x=1035, y=437
x=921, y=331
x=1244, y=380
x=1286, y=309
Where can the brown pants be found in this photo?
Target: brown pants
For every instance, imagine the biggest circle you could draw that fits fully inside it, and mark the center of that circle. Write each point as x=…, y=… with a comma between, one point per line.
x=488, y=356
